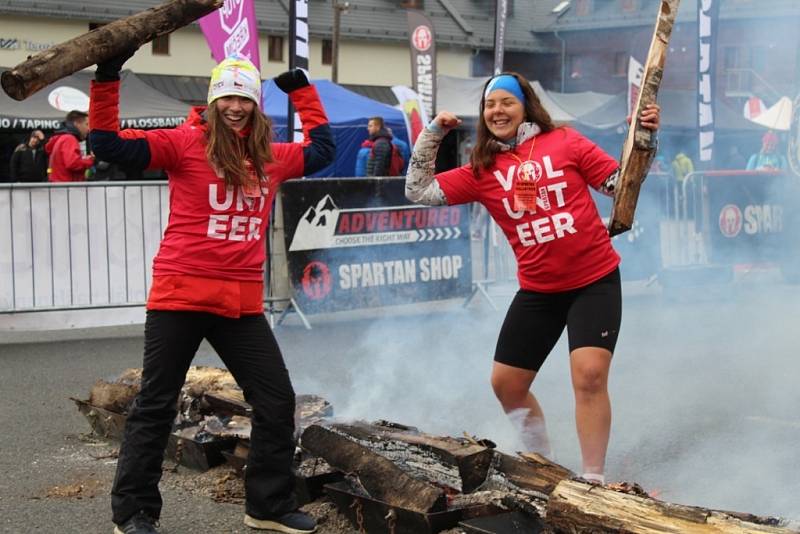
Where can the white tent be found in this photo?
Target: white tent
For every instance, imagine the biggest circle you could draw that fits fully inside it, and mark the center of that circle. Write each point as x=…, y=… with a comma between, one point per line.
x=777, y=117
x=463, y=95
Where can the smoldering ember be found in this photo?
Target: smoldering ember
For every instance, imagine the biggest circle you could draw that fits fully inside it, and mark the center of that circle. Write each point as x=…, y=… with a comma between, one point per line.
x=387, y=477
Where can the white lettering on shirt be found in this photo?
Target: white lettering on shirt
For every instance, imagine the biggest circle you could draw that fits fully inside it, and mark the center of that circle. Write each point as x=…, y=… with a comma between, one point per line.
x=545, y=229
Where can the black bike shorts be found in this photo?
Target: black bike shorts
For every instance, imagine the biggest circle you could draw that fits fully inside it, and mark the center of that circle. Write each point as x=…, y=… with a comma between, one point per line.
x=535, y=321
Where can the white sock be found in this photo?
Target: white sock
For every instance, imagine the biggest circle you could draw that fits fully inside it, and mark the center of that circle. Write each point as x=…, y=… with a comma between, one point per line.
x=594, y=477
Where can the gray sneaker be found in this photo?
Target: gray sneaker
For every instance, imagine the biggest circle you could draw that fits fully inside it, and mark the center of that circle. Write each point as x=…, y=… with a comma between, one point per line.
x=140, y=523
x=290, y=523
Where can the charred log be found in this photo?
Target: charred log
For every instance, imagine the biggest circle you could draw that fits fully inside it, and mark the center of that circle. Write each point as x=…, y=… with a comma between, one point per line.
x=379, y=476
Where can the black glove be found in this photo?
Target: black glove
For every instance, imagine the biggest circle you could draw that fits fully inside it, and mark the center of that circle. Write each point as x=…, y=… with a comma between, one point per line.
x=291, y=80
x=108, y=71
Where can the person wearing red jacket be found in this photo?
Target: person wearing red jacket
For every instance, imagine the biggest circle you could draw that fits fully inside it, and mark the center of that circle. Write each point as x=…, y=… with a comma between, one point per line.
x=533, y=179
x=67, y=164
x=208, y=278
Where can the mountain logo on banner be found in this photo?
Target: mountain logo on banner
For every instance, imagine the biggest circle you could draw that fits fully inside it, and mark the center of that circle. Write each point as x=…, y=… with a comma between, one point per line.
x=324, y=225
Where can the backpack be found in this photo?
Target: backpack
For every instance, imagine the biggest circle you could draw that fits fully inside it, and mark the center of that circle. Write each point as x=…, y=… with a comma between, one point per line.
x=396, y=162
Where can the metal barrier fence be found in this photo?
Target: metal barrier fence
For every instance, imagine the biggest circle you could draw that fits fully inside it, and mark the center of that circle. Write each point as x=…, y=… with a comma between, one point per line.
x=78, y=245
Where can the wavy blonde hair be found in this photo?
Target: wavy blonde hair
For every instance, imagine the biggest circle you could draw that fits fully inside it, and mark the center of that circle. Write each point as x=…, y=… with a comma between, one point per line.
x=229, y=152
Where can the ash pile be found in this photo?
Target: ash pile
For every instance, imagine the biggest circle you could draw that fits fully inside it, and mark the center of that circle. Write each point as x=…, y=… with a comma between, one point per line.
x=391, y=478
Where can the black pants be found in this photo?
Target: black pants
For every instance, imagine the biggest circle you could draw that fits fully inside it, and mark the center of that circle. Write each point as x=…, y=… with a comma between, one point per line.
x=249, y=350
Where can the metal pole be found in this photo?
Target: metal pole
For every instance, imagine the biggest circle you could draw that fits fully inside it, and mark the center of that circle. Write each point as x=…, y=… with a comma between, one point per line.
x=337, y=15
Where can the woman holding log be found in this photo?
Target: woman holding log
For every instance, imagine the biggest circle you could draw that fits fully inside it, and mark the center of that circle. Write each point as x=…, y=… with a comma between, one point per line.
x=208, y=279
x=533, y=179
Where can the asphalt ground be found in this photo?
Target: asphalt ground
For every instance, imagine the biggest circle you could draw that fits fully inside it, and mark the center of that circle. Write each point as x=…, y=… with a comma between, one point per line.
x=704, y=387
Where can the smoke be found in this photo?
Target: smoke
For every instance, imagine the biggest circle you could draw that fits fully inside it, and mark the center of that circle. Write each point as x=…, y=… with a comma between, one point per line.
x=703, y=382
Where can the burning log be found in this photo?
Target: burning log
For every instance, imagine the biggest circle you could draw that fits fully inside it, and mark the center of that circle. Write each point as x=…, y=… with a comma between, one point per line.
x=379, y=476
x=638, y=150
x=578, y=507
x=469, y=458
x=102, y=44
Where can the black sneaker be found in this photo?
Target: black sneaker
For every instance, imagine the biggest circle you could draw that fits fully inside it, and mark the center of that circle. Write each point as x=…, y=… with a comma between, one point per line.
x=291, y=523
x=140, y=523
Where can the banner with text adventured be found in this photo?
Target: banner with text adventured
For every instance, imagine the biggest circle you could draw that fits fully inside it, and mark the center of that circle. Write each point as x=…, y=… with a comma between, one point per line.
x=358, y=243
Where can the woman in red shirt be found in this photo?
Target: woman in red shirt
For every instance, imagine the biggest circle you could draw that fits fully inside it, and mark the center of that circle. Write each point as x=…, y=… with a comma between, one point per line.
x=533, y=179
x=208, y=278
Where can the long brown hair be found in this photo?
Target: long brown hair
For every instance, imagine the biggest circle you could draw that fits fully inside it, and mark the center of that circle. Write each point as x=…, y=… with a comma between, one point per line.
x=486, y=146
x=229, y=152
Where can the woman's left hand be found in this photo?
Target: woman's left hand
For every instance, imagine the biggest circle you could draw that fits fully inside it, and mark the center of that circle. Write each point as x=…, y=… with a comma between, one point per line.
x=650, y=117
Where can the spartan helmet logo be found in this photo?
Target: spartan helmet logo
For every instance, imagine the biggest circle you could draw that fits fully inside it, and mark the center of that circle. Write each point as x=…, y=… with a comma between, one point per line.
x=794, y=138
x=730, y=220
x=529, y=171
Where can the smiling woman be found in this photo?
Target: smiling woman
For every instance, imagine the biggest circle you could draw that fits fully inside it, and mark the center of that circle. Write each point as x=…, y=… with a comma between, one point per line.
x=533, y=178
x=208, y=276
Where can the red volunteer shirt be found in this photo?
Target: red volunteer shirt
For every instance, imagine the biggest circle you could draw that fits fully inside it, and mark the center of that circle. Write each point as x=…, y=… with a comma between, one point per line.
x=564, y=244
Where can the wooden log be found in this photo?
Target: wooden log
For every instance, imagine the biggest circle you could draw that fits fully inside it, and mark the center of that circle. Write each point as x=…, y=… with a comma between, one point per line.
x=469, y=458
x=637, y=152
x=575, y=506
x=532, y=472
x=381, y=478
x=101, y=44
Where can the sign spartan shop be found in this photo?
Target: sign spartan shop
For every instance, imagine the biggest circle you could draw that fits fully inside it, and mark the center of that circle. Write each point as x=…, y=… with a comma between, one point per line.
x=390, y=253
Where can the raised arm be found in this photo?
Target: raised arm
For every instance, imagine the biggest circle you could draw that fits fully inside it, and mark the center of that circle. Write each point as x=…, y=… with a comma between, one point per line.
x=128, y=148
x=650, y=119
x=421, y=185
x=319, y=148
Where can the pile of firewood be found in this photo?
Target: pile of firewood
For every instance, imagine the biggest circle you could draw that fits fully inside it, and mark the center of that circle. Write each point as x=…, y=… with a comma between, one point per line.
x=213, y=421
x=397, y=472
x=386, y=477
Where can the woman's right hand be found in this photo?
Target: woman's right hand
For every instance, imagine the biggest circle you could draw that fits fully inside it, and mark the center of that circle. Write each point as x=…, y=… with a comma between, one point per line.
x=446, y=121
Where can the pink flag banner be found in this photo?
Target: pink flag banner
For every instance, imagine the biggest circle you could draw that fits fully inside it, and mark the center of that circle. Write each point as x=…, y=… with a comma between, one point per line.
x=232, y=29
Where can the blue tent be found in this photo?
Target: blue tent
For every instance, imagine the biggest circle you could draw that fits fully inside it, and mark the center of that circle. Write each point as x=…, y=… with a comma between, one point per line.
x=348, y=112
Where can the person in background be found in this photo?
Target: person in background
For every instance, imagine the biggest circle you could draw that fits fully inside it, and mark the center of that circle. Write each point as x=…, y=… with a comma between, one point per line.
x=29, y=161
x=208, y=278
x=682, y=166
x=380, y=154
x=67, y=163
x=533, y=179
x=366, y=147
x=768, y=158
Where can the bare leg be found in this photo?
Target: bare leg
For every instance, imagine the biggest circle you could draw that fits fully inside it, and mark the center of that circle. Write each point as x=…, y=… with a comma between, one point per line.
x=589, y=367
x=512, y=387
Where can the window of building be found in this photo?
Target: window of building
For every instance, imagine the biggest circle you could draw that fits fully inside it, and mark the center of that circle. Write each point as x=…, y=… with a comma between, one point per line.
x=583, y=7
x=161, y=45
x=629, y=6
x=327, y=52
x=275, y=48
x=621, y=64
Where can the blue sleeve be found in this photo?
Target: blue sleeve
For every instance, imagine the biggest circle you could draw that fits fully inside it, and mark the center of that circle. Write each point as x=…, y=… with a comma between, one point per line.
x=109, y=146
x=321, y=151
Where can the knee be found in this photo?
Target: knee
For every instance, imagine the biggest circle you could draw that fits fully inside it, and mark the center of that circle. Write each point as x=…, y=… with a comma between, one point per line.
x=511, y=393
x=590, y=381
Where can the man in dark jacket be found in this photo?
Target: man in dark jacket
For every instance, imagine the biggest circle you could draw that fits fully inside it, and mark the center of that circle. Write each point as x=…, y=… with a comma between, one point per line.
x=67, y=164
x=380, y=156
x=29, y=161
